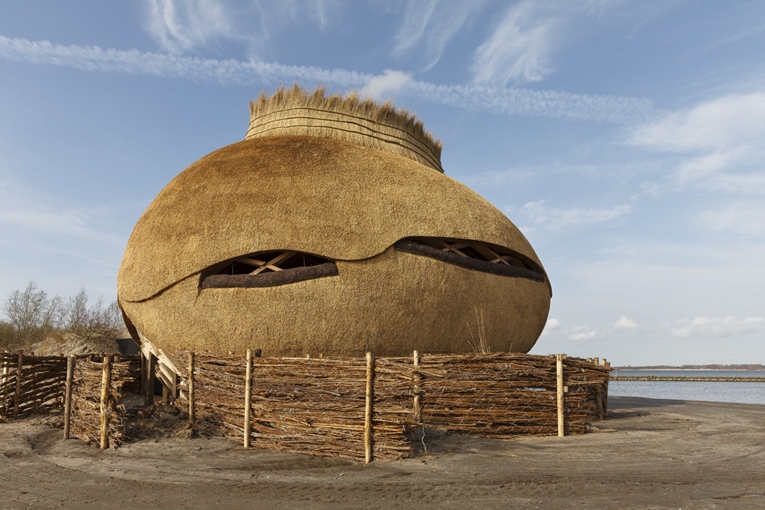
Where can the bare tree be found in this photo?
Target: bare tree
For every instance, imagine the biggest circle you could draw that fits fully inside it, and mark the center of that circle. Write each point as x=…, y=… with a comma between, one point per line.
x=32, y=313
x=97, y=322
x=7, y=335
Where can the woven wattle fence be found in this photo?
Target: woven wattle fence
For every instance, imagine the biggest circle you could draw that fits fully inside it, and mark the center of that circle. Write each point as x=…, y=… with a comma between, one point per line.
x=504, y=395
x=97, y=413
x=320, y=406
x=356, y=408
x=31, y=384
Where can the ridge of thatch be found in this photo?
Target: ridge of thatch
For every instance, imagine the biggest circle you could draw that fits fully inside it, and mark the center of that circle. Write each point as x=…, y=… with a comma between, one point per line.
x=296, y=111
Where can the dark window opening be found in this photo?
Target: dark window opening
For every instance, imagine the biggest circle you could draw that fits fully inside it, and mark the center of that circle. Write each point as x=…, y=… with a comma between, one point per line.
x=474, y=255
x=267, y=269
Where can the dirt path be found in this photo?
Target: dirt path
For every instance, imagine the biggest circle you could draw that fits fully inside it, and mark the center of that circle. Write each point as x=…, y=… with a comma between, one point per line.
x=648, y=454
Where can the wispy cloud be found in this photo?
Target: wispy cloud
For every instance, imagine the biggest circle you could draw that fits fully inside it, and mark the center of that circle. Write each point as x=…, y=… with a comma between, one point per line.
x=540, y=214
x=717, y=327
x=518, y=49
x=181, y=25
x=509, y=101
x=432, y=24
x=26, y=217
x=722, y=139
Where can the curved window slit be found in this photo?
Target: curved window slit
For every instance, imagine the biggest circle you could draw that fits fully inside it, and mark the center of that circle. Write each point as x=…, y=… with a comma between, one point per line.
x=267, y=269
x=474, y=255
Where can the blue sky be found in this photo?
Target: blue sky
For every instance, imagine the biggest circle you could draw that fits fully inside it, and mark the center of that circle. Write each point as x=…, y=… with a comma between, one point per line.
x=624, y=138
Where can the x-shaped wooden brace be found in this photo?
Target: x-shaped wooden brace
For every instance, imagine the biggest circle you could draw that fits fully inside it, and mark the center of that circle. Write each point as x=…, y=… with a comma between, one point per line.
x=268, y=265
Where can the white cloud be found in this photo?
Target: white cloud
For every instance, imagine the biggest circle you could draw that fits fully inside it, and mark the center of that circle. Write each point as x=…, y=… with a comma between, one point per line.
x=582, y=333
x=551, y=325
x=721, y=137
x=717, y=327
x=624, y=323
x=518, y=49
x=181, y=25
x=388, y=83
x=539, y=214
x=510, y=101
x=723, y=122
x=432, y=24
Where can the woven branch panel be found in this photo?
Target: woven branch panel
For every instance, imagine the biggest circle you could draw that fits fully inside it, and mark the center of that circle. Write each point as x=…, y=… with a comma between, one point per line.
x=316, y=406
x=313, y=406
x=86, y=398
x=41, y=387
x=504, y=395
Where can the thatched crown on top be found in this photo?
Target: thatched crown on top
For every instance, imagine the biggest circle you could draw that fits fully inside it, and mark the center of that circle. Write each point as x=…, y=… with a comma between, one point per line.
x=296, y=111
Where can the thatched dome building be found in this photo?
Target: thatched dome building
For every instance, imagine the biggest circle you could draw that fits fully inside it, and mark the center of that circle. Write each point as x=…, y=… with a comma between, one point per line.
x=331, y=229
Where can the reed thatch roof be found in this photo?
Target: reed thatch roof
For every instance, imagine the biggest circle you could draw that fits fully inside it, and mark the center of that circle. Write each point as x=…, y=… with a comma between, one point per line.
x=389, y=304
x=315, y=195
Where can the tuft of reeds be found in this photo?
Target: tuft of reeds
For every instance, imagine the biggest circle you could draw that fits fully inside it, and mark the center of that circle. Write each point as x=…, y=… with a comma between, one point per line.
x=296, y=111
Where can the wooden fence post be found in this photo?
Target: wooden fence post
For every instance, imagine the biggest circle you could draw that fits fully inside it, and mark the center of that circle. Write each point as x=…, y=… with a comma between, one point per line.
x=368, y=429
x=560, y=391
x=70, y=362
x=191, y=386
x=106, y=382
x=151, y=366
x=416, y=388
x=247, y=398
x=17, y=394
x=6, y=371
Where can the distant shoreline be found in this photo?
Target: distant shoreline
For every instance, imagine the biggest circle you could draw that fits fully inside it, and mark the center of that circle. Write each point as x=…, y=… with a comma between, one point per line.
x=694, y=367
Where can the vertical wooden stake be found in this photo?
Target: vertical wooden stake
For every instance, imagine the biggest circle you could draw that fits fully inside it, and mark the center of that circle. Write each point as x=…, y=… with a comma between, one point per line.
x=143, y=375
x=6, y=371
x=368, y=431
x=106, y=383
x=599, y=397
x=151, y=366
x=70, y=361
x=191, y=386
x=247, y=398
x=559, y=380
x=416, y=388
x=17, y=395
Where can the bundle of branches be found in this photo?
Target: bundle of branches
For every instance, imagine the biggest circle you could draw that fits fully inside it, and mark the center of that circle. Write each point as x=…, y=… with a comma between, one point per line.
x=316, y=406
x=37, y=388
x=86, y=398
x=313, y=406
x=505, y=394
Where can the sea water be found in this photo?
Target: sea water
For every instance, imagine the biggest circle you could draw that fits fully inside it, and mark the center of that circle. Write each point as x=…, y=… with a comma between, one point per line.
x=737, y=392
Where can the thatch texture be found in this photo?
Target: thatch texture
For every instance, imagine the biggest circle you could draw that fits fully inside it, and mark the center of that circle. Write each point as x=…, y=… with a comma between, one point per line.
x=389, y=304
x=326, y=197
x=297, y=112
x=342, y=201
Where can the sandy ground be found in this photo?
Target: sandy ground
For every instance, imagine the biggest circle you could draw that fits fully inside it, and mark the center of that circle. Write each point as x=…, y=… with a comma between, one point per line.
x=648, y=454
